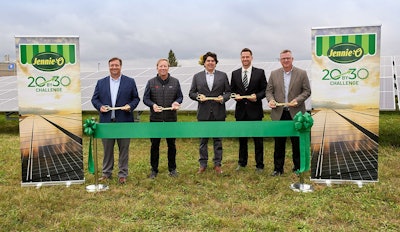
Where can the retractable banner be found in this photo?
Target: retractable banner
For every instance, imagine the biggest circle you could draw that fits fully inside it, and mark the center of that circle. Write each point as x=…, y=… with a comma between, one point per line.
x=345, y=93
x=49, y=101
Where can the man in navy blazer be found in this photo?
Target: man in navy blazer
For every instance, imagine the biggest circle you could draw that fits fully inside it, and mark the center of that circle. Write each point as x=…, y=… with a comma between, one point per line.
x=248, y=84
x=289, y=85
x=206, y=84
x=116, y=90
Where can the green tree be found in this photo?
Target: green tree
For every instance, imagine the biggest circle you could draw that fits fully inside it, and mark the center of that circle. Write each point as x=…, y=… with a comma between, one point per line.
x=172, y=59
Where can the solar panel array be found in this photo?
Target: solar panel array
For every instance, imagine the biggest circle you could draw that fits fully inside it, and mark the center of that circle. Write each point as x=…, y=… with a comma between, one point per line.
x=387, y=88
x=396, y=64
x=9, y=93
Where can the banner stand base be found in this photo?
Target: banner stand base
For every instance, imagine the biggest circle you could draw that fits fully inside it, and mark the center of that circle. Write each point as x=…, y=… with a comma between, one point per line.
x=301, y=187
x=96, y=188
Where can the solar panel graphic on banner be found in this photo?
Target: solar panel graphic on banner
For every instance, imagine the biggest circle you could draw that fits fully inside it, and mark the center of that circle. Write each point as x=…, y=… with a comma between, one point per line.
x=49, y=103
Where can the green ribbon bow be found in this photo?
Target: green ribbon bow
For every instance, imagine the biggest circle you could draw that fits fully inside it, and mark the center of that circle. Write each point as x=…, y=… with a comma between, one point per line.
x=89, y=128
x=303, y=124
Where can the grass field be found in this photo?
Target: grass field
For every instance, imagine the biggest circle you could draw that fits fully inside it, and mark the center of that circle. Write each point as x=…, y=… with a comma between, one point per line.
x=234, y=201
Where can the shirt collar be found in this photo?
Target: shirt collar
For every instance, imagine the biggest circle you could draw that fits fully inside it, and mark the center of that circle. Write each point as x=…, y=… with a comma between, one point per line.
x=248, y=69
x=116, y=80
x=288, y=73
x=208, y=73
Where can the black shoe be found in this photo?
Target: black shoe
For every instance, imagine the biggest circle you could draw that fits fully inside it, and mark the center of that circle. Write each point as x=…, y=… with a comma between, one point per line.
x=153, y=174
x=173, y=173
x=276, y=173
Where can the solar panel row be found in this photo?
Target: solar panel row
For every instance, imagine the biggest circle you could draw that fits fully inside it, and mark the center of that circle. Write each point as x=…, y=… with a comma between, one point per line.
x=396, y=64
x=390, y=66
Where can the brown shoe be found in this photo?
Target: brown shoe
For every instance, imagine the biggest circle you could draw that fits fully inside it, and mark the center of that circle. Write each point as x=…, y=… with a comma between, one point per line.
x=122, y=180
x=201, y=170
x=104, y=178
x=218, y=169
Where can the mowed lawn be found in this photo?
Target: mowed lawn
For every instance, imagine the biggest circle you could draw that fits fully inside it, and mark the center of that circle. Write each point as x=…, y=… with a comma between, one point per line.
x=233, y=201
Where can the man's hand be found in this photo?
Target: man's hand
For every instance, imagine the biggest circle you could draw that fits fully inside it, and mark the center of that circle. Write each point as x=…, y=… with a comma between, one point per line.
x=156, y=108
x=253, y=97
x=175, y=106
x=293, y=103
x=272, y=104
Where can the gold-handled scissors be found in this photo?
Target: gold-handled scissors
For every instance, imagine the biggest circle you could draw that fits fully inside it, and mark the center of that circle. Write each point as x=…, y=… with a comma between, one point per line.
x=201, y=97
x=282, y=104
x=285, y=104
x=236, y=96
x=108, y=108
x=165, y=108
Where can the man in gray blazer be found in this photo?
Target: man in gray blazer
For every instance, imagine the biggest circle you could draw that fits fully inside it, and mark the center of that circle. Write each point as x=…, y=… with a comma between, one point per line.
x=213, y=84
x=289, y=85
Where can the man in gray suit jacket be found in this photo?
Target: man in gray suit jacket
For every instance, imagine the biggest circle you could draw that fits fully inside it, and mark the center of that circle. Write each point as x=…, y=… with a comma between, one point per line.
x=289, y=85
x=213, y=84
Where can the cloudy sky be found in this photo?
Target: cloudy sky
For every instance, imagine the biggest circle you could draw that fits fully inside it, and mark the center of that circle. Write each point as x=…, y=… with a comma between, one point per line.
x=140, y=32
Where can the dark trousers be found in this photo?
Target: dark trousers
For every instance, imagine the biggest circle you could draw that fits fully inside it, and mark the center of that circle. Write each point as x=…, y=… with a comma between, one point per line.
x=155, y=153
x=258, y=150
x=280, y=149
x=203, y=148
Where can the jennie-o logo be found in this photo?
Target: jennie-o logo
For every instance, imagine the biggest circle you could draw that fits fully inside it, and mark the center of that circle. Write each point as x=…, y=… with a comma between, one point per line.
x=47, y=57
x=345, y=53
x=345, y=49
x=48, y=61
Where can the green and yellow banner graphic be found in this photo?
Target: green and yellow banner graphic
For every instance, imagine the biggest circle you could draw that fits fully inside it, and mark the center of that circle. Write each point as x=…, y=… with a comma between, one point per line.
x=358, y=45
x=65, y=51
x=49, y=101
x=345, y=78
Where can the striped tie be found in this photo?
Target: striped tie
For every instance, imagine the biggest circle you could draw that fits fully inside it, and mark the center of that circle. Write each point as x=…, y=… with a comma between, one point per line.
x=245, y=81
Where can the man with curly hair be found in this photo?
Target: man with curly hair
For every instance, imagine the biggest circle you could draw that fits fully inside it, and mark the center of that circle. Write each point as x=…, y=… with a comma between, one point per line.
x=211, y=89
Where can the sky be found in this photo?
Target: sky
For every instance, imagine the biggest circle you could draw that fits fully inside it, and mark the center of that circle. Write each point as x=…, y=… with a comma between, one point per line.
x=141, y=32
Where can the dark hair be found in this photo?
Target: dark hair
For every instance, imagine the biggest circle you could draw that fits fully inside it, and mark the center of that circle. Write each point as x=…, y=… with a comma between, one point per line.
x=115, y=58
x=213, y=55
x=246, y=50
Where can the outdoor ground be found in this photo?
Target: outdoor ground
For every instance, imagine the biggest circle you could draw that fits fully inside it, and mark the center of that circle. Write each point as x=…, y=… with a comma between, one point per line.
x=234, y=201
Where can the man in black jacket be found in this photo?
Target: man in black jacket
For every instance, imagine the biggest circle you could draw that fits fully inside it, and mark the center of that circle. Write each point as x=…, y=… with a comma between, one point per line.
x=163, y=95
x=248, y=85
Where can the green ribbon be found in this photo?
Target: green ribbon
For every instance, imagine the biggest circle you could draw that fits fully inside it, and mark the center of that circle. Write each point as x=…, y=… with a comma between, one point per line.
x=303, y=124
x=89, y=128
